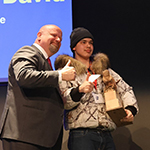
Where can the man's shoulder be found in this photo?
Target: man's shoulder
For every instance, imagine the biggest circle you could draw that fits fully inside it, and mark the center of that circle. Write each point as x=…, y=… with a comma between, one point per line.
x=27, y=50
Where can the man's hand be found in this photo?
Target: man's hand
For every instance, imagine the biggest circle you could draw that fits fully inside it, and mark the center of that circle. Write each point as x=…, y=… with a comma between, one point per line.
x=68, y=73
x=129, y=117
x=87, y=86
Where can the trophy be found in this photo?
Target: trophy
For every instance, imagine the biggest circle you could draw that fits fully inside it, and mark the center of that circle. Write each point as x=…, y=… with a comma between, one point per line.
x=114, y=107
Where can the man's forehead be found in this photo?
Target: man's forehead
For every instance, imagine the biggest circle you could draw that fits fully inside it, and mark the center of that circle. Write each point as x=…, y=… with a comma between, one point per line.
x=86, y=39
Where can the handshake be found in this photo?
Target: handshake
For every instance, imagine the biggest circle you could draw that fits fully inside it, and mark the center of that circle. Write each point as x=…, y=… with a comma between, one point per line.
x=68, y=73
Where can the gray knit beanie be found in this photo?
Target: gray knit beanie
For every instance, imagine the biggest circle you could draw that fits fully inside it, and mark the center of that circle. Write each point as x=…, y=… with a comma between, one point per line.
x=79, y=34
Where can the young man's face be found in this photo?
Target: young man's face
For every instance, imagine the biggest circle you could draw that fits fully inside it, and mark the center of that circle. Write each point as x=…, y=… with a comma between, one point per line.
x=84, y=48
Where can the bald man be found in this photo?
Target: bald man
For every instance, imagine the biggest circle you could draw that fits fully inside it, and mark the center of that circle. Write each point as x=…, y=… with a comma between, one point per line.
x=32, y=115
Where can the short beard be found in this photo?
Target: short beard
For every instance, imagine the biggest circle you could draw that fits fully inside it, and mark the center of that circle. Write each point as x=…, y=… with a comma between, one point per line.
x=53, y=49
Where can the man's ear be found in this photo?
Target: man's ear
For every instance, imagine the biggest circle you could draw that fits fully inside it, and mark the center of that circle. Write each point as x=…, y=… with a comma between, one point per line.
x=39, y=35
x=74, y=49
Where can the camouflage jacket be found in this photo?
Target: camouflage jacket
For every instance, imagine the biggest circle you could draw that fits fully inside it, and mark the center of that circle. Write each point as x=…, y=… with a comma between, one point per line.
x=87, y=113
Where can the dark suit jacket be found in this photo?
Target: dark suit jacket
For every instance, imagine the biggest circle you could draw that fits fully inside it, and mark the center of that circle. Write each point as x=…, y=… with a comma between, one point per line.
x=34, y=109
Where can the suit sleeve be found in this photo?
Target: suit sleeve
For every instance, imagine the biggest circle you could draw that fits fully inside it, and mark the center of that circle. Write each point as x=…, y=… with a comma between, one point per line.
x=31, y=69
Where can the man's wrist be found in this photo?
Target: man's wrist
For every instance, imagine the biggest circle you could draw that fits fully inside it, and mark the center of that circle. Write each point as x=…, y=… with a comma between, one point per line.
x=75, y=94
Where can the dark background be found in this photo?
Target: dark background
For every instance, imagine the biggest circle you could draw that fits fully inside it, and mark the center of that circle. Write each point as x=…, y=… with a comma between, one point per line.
x=121, y=30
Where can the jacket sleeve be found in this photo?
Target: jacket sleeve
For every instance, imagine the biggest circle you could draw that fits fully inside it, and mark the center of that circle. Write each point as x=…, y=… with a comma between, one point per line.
x=68, y=90
x=126, y=94
x=31, y=69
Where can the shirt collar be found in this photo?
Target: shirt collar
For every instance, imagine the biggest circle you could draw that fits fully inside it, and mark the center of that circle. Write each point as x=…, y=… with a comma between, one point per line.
x=41, y=49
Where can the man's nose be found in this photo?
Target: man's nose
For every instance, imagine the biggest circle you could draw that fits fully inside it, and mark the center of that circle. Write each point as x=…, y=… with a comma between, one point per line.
x=88, y=44
x=58, y=39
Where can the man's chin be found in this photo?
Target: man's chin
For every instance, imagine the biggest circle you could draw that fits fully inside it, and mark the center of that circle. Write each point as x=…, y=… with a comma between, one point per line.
x=53, y=49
